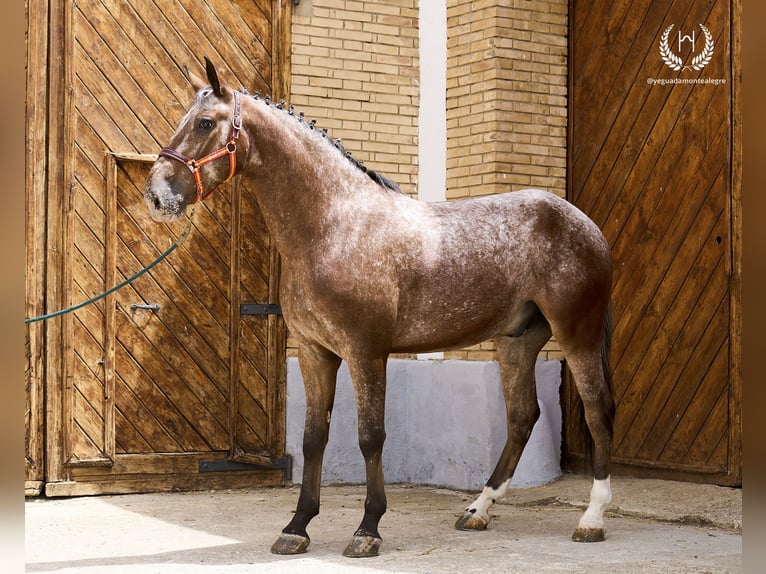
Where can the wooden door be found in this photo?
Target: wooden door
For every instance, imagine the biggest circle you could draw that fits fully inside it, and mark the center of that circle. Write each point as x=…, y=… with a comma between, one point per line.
x=35, y=242
x=163, y=385
x=656, y=165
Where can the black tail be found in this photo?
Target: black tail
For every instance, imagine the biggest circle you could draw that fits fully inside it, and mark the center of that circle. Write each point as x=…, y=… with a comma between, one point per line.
x=606, y=346
x=609, y=404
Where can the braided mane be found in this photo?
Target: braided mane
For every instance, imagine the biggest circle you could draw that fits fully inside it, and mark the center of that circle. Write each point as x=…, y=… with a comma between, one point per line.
x=381, y=180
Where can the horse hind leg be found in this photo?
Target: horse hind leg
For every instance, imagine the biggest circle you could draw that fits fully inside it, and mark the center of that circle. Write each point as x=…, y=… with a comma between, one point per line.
x=593, y=381
x=517, y=357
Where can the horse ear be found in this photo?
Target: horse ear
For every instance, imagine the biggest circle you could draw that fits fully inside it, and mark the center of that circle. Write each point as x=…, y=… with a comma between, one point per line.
x=212, y=77
x=196, y=82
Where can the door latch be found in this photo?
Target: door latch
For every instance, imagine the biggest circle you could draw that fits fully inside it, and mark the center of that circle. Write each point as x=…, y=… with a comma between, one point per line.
x=144, y=307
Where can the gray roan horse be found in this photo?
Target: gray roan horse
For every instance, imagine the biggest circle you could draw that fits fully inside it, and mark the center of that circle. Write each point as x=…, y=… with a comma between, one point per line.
x=368, y=271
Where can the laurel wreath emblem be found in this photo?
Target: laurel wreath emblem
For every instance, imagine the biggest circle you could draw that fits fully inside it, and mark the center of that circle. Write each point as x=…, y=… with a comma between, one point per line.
x=667, y=55
x=703, y=58
x=675, y=62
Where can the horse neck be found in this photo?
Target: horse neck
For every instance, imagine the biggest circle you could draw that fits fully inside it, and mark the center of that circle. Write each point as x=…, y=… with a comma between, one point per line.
x=299, y=179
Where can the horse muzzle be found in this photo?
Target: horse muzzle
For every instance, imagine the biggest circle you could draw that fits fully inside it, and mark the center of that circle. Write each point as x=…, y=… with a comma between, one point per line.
x=163, y=204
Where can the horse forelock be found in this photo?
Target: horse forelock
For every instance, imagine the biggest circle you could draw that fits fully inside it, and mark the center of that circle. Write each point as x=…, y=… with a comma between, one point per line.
x=202, y=95
x=332, y=147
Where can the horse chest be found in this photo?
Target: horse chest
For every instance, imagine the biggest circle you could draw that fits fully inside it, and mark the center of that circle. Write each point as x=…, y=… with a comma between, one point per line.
x=331, y=301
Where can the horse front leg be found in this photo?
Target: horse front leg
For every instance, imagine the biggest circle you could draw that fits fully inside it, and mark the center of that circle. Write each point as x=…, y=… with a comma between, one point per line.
x=369, y=379
x=319, y=369
x=517, y=356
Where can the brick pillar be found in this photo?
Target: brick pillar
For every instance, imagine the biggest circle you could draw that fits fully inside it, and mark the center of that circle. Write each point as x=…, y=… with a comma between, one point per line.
x=506, y=96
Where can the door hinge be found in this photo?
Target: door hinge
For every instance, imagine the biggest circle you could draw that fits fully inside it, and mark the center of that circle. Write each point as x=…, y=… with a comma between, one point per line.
x=259, y=309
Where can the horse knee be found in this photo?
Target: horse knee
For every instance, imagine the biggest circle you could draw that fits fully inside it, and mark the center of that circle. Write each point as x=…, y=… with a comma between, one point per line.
x=371, y=441
x=315, y=437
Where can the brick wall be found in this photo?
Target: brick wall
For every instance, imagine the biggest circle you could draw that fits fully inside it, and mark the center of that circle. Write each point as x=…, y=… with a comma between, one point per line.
x=355, y=68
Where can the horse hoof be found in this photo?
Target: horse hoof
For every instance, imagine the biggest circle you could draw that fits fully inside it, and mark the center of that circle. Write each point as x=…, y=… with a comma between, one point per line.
x=588, y=535
x=471, y=521
x=362, y=547
x=290, y=544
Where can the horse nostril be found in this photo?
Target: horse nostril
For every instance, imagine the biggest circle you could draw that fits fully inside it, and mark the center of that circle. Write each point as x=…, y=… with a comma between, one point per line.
x=157, y=204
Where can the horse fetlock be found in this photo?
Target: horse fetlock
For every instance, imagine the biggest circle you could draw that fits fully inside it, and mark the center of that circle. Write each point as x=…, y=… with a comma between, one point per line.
x=289, y=544
x=591, y=525
x=476, y=516
x=362, y=546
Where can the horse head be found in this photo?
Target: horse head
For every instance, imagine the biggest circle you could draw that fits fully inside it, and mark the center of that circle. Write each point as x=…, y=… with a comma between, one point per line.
x=195, y=162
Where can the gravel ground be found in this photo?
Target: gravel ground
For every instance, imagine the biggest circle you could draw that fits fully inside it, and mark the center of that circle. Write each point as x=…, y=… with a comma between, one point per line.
x=652, y=526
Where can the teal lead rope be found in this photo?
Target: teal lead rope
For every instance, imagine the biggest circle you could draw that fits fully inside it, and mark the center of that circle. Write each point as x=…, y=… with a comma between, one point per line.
x=130, y=279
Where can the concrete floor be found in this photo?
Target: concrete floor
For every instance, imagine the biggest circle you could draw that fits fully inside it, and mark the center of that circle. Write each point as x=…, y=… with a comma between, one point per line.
x=652, y=526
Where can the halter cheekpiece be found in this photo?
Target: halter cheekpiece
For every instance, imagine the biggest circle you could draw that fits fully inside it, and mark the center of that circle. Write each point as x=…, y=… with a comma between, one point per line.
x=229, y=149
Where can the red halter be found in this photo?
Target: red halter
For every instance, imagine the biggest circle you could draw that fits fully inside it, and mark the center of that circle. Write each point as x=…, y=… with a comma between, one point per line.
x=229, y=149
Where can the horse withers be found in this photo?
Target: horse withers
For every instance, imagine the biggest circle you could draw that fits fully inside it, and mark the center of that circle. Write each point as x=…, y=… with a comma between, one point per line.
x=368, y=271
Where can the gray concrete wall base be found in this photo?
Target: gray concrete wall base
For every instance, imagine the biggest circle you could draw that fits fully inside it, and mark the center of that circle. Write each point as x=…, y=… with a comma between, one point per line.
x=445, y=425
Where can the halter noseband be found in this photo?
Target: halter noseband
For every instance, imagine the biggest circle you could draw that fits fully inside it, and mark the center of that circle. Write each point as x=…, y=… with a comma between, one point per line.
x=229, y=149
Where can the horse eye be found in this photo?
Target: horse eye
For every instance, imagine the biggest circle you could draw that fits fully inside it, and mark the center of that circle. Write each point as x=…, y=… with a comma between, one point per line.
x=205, y=124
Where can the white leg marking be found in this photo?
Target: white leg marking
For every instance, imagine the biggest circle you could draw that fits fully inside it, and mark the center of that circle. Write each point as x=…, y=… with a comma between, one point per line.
x=600, y=499
x=487, y=500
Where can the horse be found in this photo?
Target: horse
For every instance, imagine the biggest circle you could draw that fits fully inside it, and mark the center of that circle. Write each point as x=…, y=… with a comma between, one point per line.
x=368, y=271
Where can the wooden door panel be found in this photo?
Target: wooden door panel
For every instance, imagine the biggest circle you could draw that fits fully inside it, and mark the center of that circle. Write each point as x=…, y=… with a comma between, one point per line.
x=183, y=346
x=260, y=339
x=192, y=380
x=651, y=164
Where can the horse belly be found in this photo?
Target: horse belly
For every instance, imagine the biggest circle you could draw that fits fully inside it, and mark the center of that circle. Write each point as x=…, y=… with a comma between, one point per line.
x=440, y=325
